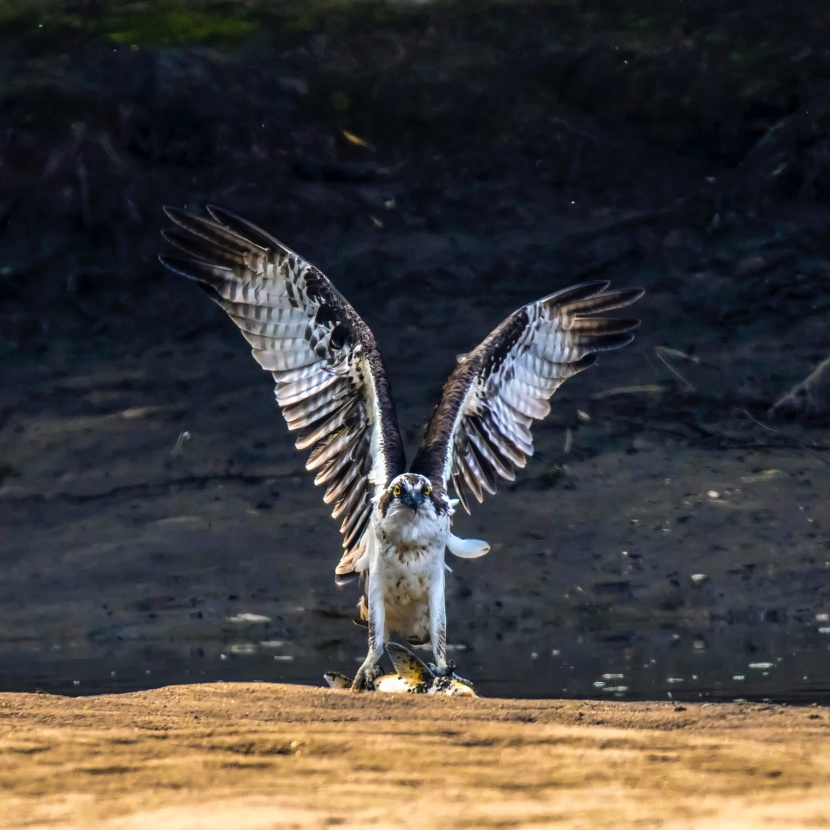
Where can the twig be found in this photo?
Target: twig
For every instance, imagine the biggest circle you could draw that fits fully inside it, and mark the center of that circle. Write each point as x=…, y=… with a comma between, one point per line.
x=180, y=441
x=794, y=442
x=659, y=351
x=620, y=223
x=739, y=411
x=646, y=426
x=650, y=388
x=734, y=441
x=145, y=488
x=86, y=206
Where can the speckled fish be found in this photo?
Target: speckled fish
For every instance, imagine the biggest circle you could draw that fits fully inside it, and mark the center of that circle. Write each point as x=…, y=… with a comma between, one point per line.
x=411, y=676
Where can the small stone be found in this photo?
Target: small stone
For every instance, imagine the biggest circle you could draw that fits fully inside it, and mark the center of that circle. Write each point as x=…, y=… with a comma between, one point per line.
x=713, y=494
x=247, y=618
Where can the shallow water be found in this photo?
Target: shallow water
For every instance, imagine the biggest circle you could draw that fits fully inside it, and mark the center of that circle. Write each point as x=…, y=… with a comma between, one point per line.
x=782, y=663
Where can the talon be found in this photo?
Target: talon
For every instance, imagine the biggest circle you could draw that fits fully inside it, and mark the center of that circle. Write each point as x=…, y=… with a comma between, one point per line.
x=364, y=681
x=447, y=671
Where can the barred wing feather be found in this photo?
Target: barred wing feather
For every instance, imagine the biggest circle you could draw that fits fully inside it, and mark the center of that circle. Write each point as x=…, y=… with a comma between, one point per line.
x=331, y=383
x=480, y=430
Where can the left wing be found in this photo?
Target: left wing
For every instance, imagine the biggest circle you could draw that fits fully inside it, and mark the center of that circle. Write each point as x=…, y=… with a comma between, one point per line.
x=331, y=383
x=480, y=430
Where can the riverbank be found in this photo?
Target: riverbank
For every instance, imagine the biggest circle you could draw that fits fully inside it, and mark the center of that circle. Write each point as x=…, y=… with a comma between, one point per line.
x=255, y=756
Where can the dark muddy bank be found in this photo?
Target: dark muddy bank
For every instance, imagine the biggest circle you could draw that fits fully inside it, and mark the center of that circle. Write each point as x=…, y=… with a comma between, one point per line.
x=443, y=165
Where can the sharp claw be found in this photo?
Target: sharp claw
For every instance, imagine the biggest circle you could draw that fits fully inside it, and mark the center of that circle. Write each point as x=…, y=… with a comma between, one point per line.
x=364, y=681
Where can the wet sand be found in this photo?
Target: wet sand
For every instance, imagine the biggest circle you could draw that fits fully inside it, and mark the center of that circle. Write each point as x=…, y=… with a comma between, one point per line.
x=251, y=756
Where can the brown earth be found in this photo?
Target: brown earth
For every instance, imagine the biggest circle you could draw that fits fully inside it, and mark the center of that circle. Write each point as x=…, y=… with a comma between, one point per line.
x=274, y=756
x=443, y=165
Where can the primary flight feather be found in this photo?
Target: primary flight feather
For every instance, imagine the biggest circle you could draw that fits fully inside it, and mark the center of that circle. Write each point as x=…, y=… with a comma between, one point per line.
x=333, y=390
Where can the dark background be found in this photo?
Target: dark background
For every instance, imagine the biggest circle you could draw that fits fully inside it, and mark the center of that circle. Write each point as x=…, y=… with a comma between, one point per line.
x=443, y=163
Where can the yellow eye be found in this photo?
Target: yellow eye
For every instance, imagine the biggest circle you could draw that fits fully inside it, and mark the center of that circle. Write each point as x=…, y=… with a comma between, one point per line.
x=396, y=490
x=427, y=490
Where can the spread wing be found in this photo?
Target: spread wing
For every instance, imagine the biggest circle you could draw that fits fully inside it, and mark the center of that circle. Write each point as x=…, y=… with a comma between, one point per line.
x=331, y=383
x=480, y=431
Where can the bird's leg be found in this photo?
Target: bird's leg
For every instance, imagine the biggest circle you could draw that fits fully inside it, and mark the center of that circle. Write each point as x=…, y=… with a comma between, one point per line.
x=377, y=635
x=447, y=671
x=438, y=623
x=371, y=676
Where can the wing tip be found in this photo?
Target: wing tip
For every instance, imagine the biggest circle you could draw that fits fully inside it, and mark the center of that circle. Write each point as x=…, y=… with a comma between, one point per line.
x=173, y=236
x=177, y=215
x=592, y=297
x=628, y=296
x=175, y=264
x=574, y=293
x=612, y=342
x=217, y=213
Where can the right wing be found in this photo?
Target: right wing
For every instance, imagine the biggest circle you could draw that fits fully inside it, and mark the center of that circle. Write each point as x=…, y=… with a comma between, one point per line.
x=480, y=430
x=331, y=383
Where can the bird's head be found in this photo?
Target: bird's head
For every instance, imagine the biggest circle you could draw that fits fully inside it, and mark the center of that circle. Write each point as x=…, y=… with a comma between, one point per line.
x=409, y=490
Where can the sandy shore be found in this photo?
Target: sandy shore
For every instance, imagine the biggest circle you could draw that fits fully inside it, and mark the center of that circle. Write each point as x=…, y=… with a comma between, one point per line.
x=251, y=756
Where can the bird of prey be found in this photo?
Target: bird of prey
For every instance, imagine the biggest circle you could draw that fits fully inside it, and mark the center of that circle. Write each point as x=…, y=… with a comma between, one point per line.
x=332, y=387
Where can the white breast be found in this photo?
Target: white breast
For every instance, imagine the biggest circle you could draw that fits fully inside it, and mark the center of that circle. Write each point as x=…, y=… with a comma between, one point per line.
x=408, y=557
x=403, y=526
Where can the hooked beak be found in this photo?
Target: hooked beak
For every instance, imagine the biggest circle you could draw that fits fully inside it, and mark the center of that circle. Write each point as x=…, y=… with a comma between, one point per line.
x=413, y=499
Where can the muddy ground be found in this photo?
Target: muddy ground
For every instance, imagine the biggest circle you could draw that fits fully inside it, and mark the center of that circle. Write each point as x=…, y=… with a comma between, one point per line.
x=266, y=756
x=444, y=165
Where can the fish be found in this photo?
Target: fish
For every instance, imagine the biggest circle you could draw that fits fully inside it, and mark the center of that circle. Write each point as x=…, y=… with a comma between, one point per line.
x=411, y=676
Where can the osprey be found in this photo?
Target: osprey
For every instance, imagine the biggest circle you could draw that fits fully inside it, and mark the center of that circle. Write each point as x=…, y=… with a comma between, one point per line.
x=332, y=387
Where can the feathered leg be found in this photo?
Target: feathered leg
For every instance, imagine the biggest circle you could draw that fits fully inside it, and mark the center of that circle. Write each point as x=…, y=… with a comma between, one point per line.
x=377, y=631
x=438, y=621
